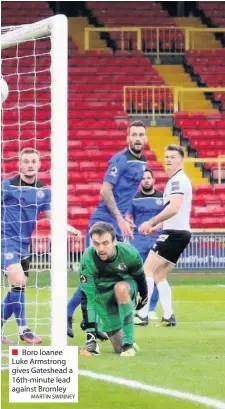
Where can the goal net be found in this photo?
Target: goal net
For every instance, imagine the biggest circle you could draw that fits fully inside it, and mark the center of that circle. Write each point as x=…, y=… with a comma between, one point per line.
x=34, y=115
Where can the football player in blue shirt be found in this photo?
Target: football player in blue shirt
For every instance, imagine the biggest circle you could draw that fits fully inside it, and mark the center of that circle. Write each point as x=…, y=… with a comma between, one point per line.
x=147, y=203
x=23, y=198
x=120, y=184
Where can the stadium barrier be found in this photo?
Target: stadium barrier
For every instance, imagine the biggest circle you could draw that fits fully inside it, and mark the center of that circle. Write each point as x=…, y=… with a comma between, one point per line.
x=154, y=100
x=155, y=40
x=124, y=36
x=163, y=100
x=41, y=252
x=184, y=97
x=219, y=161
x=205, y=251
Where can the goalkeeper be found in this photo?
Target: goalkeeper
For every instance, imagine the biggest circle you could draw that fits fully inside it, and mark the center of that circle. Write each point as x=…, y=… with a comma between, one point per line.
x=111, y=276
x=23, y=198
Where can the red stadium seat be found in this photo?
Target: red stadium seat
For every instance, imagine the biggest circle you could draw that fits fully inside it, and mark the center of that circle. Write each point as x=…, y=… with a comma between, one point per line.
x=198, y=201
x=212, y=222
x=196, y=222
x=97, y=122
x=77, y=211
x=219, y=189
x=204, y=189
x=212, y=200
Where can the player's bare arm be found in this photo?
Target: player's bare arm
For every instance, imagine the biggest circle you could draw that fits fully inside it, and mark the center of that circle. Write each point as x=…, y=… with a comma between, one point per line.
x=130, y=219
x=157, y=227
x=171, y=210
x=108, y=197
x=70, y=229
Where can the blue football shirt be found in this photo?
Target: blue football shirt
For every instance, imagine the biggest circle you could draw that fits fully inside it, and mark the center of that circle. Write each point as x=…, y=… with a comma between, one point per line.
x=144, y=207
x=125, y=172
x=21, y=204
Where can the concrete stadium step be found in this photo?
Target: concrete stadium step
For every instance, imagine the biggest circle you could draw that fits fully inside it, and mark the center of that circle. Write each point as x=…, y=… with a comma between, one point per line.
x=174, y=75
x=201, y=40
x=76, y=28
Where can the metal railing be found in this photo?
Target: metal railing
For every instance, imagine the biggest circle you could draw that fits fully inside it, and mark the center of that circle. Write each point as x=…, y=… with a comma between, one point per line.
x=185, y=96
x=206, y=250
x=163, y=100
x=41, y=252
x=156, y=40
x=151, y=100
x=126, y=36
x=220, y=161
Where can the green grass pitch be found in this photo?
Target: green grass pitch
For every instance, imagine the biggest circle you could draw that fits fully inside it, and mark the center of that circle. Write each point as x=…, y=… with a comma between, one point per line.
x=188, y=358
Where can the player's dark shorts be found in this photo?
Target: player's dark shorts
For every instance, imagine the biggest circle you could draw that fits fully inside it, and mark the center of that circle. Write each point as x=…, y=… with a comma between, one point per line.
x=10, y=255
x=171, y=244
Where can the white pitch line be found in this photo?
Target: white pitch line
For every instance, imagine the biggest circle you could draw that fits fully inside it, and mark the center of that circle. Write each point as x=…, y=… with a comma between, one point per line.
x=196, y=286
x=204, y=400
x=195, y=322
x=199, y=301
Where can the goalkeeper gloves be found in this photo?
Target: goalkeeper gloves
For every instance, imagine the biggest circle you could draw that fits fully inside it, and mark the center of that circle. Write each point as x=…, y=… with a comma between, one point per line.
x=102, y=336
x=91, y=346
x=142, y=301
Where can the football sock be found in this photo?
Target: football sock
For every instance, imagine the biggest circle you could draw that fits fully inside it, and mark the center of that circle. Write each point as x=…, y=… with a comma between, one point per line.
x=154, y=299
x=17, y=298
x=74, y=302
x=144, y=311
x=165, y=296
x=127, y=321
x=6, y=309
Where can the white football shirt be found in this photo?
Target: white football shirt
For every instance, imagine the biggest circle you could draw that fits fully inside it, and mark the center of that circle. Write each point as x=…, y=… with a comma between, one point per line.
x=179, y=183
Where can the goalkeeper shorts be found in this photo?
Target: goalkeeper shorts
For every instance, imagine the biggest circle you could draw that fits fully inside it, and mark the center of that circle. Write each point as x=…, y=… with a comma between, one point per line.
x=107, y=308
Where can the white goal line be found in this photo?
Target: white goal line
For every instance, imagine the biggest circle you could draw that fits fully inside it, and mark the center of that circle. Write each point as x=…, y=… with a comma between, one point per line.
x=204, y=400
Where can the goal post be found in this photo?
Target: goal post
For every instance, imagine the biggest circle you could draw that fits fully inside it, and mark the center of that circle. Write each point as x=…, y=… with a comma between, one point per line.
x=57, y=30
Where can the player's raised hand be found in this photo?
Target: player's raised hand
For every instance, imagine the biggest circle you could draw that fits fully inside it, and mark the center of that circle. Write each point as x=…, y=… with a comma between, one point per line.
x=76, y=233
x=126, y=228
x=146, y=228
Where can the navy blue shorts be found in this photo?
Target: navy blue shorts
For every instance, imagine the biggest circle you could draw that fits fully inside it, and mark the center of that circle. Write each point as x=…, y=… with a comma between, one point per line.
x=12, y=253
x=143, y=244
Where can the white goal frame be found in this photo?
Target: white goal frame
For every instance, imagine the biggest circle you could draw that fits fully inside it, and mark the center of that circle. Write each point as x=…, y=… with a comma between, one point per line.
x=57, y=28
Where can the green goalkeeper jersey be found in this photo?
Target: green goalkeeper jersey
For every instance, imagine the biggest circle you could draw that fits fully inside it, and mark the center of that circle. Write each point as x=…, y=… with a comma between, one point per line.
x=99, y=277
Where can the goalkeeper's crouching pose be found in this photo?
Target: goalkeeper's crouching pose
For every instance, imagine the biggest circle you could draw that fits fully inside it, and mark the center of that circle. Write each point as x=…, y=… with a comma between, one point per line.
x=111, y=276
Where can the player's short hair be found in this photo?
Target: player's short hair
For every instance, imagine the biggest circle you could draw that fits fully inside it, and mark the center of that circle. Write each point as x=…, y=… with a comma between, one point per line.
x=135, y=123
x=29, y=150
x=176, y=148
x=150, y=171
x=102, y=227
